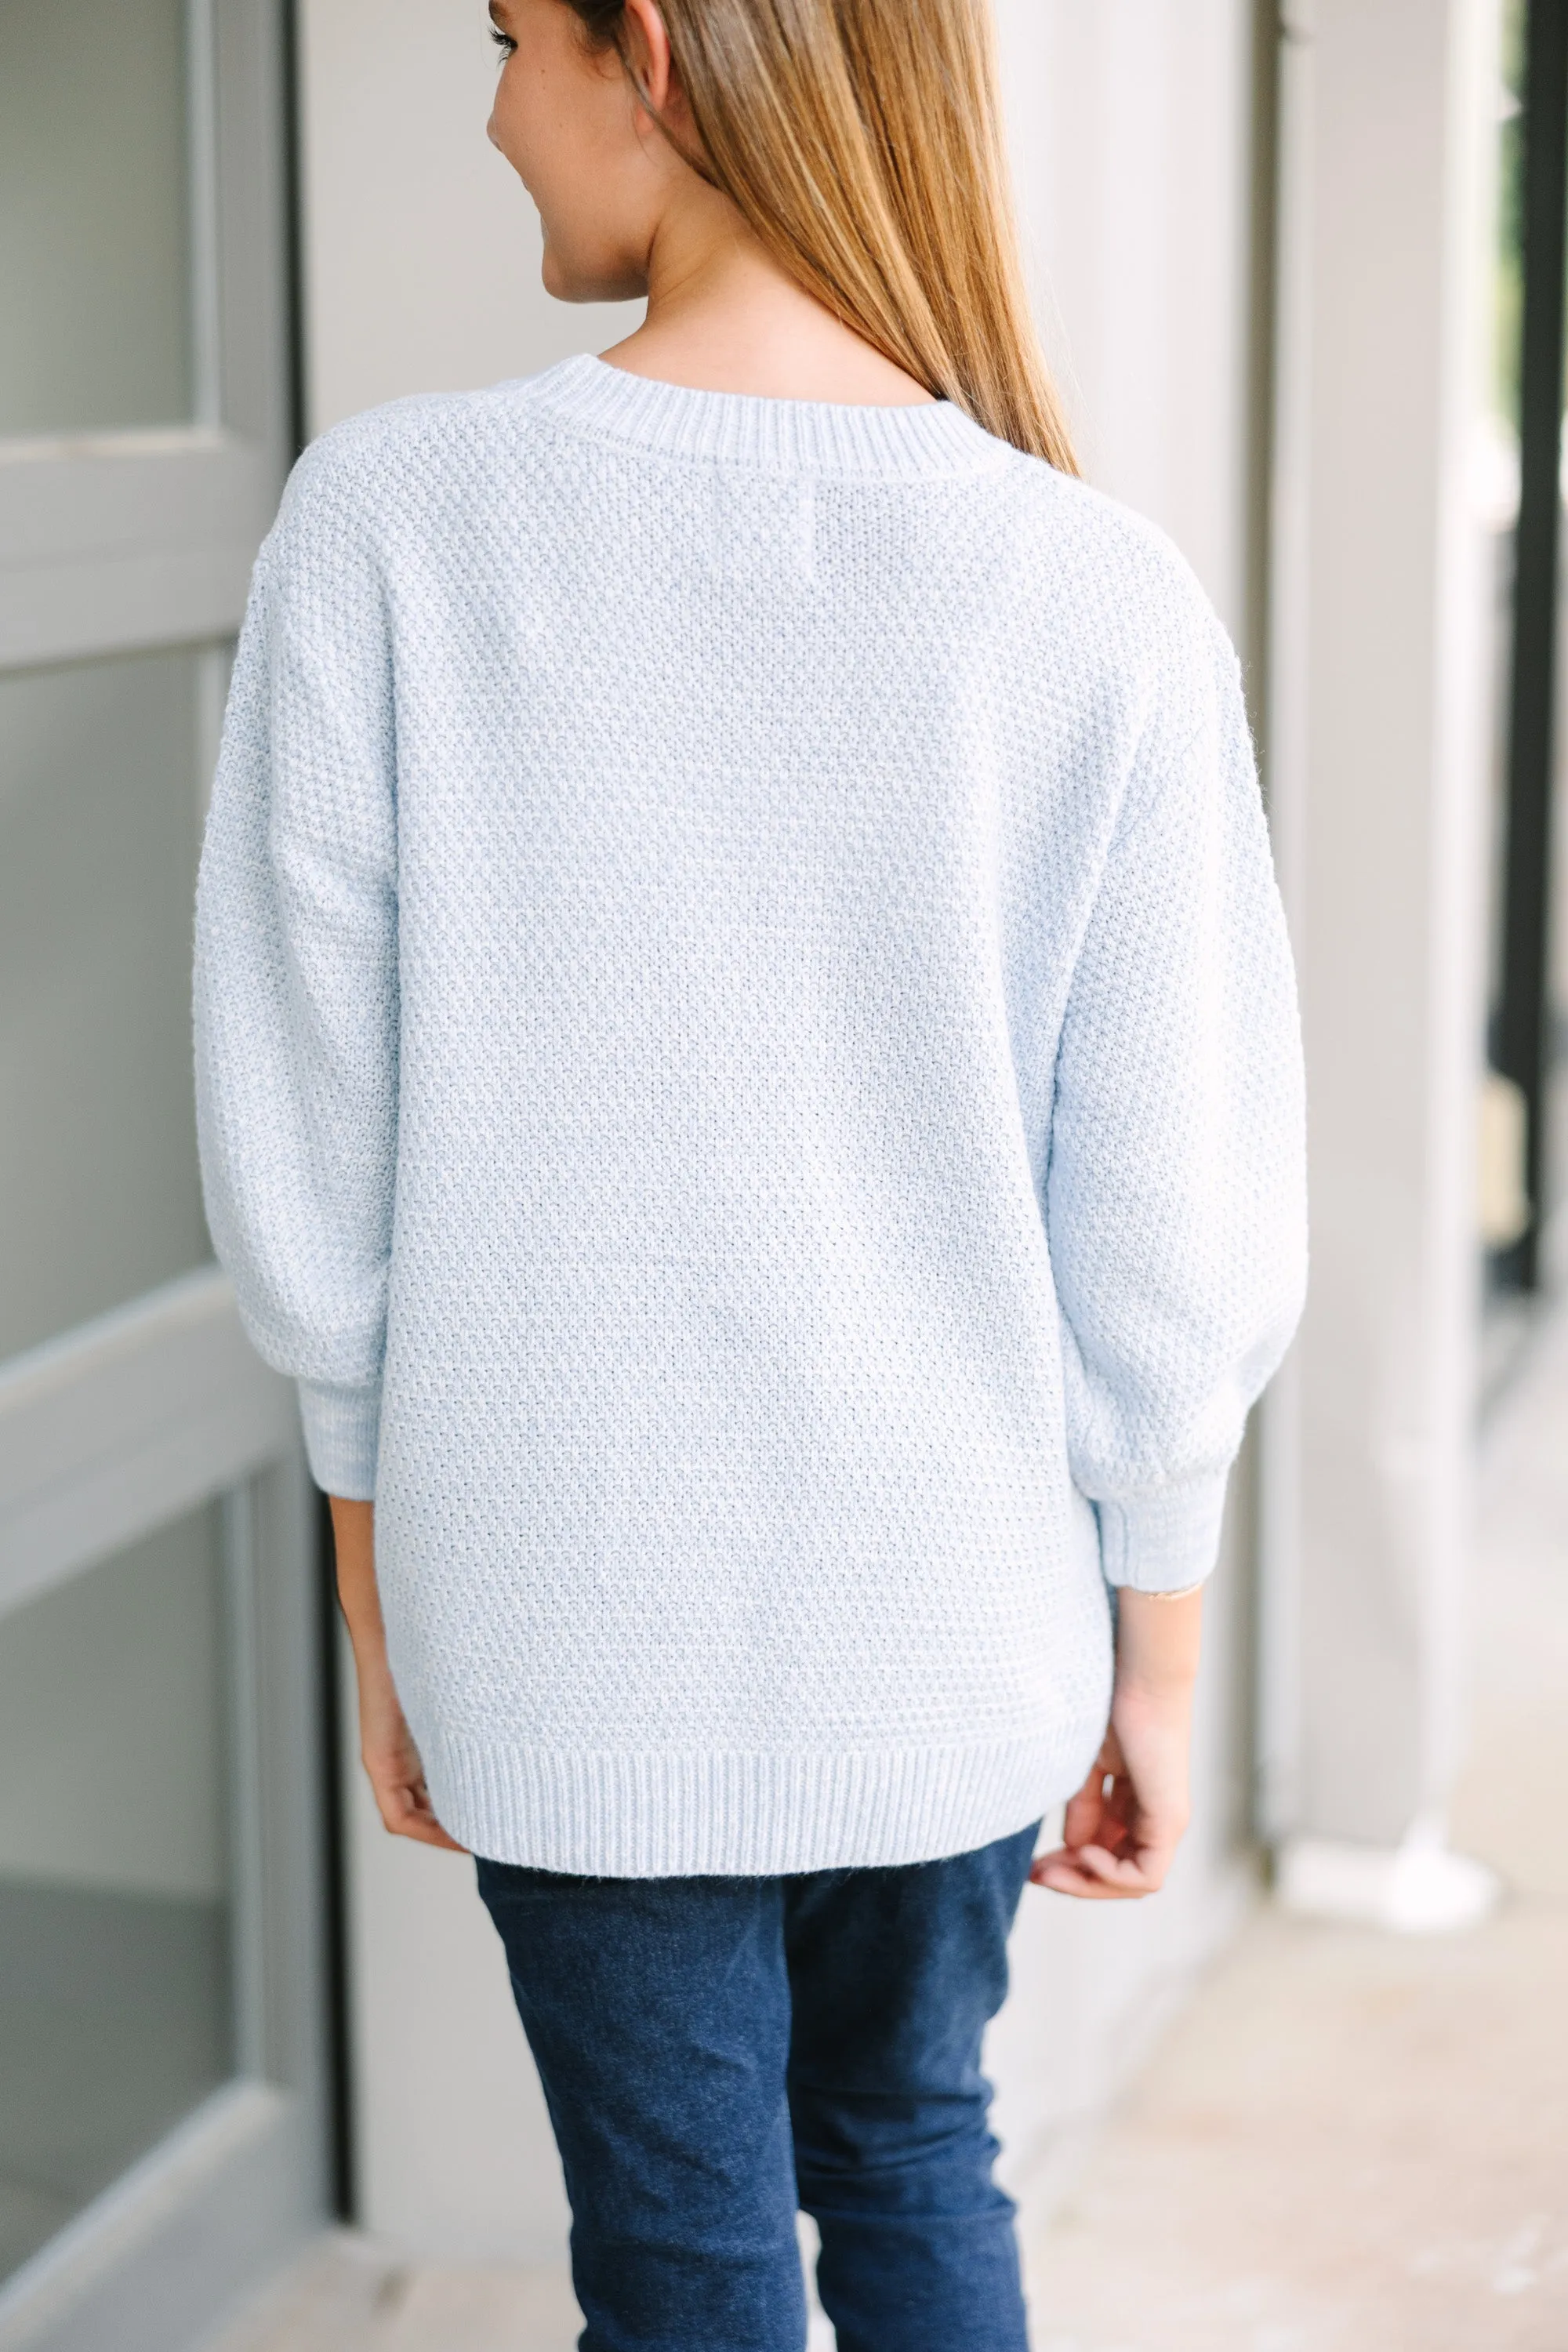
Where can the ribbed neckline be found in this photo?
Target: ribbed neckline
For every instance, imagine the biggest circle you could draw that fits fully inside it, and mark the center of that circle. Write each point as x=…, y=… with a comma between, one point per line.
x=769, y=436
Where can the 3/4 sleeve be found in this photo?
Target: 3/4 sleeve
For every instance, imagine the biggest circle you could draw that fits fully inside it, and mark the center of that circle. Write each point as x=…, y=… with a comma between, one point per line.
x=296, y=975
x=1176, y=1181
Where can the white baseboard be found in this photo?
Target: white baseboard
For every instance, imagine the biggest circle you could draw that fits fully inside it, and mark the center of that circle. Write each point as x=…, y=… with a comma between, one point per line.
x=1421, y=1887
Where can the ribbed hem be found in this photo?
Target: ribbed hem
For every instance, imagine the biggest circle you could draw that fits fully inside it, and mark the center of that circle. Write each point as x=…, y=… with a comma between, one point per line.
x=601, y=1815
x=771, y=435
x=341, y=1431
x=1162, y=1543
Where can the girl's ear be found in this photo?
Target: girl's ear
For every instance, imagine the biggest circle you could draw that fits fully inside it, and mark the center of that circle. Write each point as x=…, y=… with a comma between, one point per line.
x=648, y=54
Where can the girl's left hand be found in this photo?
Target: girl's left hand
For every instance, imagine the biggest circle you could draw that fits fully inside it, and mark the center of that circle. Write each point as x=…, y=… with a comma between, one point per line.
x=1123, y=1826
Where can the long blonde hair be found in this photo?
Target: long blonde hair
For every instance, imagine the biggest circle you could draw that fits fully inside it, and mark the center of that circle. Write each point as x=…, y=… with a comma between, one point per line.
x=861, y=140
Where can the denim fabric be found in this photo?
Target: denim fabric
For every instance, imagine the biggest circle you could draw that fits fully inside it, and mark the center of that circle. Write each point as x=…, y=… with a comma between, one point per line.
x=714, y=2050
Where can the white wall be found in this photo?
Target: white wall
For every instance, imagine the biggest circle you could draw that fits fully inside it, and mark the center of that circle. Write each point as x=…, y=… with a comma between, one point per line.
x=1130, y=128
x=1380, y=749
x=421, y=245
x=1131, y=159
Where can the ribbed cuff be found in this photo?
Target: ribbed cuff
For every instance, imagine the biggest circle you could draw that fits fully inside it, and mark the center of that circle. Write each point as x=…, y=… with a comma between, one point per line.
x=342, y=1428
x=1165, y=1542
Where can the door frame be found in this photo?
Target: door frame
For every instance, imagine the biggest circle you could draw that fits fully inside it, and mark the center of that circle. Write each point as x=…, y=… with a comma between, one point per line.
x=106, y=1434
x=113, y=542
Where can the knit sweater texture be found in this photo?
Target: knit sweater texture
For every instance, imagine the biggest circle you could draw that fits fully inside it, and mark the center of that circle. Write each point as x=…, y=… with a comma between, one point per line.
x=747, y=1063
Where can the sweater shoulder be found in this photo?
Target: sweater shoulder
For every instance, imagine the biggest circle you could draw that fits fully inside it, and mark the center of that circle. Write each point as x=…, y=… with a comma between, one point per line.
x=1104, y=610
x=1119, y=570
x=357, y=476
x=357, y=462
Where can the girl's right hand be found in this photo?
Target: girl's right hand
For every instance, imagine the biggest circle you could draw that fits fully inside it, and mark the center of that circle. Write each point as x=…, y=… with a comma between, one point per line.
x=386, y=1745
x=391, y=1761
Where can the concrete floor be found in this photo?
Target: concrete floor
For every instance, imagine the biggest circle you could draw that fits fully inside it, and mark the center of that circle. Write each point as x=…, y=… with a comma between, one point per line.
x=1350, y=2142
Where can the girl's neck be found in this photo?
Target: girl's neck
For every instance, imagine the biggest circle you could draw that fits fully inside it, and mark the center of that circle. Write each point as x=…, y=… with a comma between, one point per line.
x=722, y=315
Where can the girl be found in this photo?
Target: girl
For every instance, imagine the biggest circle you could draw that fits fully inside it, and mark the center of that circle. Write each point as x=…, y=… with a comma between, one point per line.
x=748, y=1066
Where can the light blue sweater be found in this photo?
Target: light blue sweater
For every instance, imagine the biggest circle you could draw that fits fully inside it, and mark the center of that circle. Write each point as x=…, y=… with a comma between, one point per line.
x=747, y=1063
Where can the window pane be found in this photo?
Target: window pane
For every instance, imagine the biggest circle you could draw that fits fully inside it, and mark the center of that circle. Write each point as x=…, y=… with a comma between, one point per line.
x=99, y=1195
x=94, y=234
x=115, y=1912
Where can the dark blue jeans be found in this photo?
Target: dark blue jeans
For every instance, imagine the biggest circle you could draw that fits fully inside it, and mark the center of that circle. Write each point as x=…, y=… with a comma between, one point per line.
x=715, y=2051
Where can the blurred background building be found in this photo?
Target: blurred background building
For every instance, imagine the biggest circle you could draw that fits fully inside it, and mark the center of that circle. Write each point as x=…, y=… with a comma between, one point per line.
x=1300, y=264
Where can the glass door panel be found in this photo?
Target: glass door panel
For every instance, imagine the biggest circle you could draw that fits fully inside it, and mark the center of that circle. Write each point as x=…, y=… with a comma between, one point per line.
x=115, y=1961
x=95, y=240
x=100, y=1193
